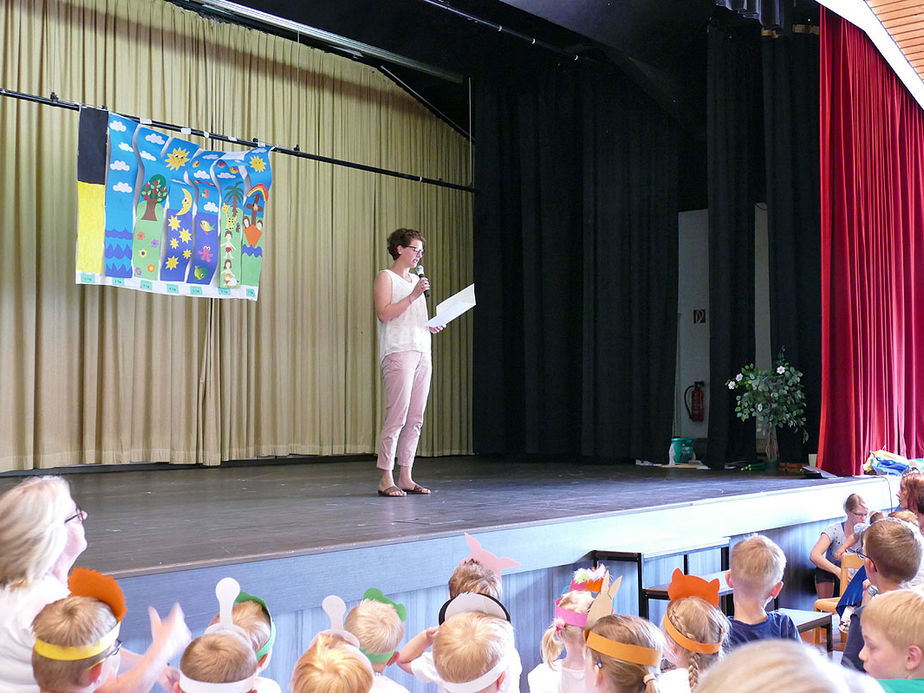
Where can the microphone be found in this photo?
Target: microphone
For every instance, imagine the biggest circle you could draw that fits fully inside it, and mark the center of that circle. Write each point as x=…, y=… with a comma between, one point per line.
x=420, y=273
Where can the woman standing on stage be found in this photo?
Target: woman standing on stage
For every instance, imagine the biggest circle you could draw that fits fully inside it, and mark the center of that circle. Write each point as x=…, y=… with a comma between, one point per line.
x=404, y=352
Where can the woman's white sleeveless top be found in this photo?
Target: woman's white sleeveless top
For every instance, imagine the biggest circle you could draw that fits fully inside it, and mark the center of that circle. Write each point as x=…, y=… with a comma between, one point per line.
x=407, y=332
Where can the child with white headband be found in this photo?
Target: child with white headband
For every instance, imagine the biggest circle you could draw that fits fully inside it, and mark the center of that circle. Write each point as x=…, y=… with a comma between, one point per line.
x=252, y=616
x=472, y=652
x=218, y=662
x=566, y=633
x=623, y=655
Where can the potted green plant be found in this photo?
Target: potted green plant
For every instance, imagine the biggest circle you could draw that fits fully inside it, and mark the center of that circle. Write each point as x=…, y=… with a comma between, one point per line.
x=774, y=397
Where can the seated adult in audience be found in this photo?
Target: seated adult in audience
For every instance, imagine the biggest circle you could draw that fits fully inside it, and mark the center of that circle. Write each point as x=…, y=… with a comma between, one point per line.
x=756, y=577
x=892, y=555
x=894, y=649
x=41, y=535
x=828, y=568
x=782, y=665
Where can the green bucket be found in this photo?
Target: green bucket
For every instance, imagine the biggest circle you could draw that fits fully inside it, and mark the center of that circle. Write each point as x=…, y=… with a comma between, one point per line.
x=683, y=449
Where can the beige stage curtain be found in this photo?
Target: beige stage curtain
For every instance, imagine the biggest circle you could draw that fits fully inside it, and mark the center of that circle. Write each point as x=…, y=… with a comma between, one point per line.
x=94, y=374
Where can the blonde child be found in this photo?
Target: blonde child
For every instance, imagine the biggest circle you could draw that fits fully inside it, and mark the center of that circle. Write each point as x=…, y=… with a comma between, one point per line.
x=893, y=626
x=223, y=657
x=756, y=577
x=76, y=646
x=472, y=653
x=782, y=665
x=331, y=665
x=252, y=616
x=76, y=650
x=623, y=655
x=378, y=624
x=695, y=632
x=892, y=555
x=566, y=634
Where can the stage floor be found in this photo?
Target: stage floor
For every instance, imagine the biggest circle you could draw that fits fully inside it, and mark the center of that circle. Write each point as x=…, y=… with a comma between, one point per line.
x=146, y=521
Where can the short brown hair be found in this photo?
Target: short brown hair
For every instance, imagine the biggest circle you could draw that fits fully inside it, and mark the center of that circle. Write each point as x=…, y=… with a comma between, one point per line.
x=895, y=546
x=331, y=665
x=403, y=237
x=222, y=657
x=253, y=620
x=69, y=622
x=469, y=645
x=472, y=576
x=757, y=564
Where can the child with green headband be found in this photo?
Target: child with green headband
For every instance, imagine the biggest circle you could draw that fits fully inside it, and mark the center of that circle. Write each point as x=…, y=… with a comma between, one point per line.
x=378, y=624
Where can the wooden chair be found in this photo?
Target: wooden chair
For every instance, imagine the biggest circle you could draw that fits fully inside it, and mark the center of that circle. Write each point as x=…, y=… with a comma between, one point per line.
x=849, y=561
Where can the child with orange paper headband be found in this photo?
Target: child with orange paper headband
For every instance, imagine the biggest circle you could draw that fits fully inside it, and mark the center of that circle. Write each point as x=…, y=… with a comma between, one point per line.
x=694, y=630
x=566, y=634
x=76, y=646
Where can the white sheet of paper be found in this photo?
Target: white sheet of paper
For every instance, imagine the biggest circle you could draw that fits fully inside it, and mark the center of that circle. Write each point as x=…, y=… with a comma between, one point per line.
x=453, y=307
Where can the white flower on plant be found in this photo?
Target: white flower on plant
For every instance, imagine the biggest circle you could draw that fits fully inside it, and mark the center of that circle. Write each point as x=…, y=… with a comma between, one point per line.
x=731, y=385
x=760, y=407
x=781, y=369
x=739, y=377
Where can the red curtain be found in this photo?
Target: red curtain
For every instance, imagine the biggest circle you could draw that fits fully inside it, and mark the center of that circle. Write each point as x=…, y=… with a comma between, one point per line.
x=872, y=249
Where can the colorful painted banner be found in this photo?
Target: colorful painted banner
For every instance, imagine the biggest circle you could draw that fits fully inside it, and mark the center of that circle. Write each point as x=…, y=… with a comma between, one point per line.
x=158, y=214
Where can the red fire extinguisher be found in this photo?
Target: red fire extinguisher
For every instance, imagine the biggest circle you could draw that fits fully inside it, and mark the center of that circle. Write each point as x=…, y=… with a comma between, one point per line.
x=696, y=407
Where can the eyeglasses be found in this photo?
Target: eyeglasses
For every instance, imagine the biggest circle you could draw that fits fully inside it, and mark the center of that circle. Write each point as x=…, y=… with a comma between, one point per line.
x=80, y=515
x=865, y=557
x=117, y=645
x=417, y=251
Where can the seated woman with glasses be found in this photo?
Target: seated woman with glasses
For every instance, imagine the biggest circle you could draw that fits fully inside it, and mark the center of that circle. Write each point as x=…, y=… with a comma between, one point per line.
x=41, y=536
x=832, y=538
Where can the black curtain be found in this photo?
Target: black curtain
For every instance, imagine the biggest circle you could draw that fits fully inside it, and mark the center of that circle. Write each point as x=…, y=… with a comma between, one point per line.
x=790, y=83
x=575, y=266
x=733, y=157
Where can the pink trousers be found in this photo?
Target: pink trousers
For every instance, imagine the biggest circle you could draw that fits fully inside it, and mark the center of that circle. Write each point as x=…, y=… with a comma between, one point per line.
x=406, y=375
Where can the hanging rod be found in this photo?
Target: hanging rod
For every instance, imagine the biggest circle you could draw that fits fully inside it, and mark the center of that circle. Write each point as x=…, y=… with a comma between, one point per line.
x=531, y=40
x=356, y=49
x=53, y=100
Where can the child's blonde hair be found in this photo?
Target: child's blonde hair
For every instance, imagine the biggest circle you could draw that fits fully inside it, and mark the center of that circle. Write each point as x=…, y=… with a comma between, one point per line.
x=555, y=637
x=70, y=622
x=899, y=616
x=781, y=665
x=629, y=630
x=469, y=645
x=472, y=576
x=376, y=625
x=32, y=529
x=253, y=620
x=331, y=665
x=757, y=565
x=698, y=620
x=905, y=515
x=895, y=546
x=222, y=657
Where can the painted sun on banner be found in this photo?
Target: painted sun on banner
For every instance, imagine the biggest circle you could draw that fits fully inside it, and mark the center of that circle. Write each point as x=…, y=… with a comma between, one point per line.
x=159, y=214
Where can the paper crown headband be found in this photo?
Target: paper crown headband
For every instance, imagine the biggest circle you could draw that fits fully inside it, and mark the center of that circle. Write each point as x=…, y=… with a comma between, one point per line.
x=691, y=586
x=227, y=591
x=470, y=601
x=89, y=583
x=624, y=652
x=587, y=579
x=569, y=617
x=376, y=595
x=335, y=608
x=603, y=604
x=483, y=681
x=493, y=563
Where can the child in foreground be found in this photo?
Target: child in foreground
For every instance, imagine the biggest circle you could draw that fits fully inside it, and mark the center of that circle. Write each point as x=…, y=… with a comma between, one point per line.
x=893, y=652
x=472, y=652
x=331, y=665
x=756, y=577
x=252, y=616
x=378, y=624
x=623, y=654
x=223, y=657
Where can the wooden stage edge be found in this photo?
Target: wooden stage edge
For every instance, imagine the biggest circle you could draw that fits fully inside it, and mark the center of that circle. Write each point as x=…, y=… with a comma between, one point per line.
x=294, y=533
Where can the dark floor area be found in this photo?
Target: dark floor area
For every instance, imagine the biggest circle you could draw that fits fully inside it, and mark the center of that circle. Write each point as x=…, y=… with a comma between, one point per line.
x=157, y=518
